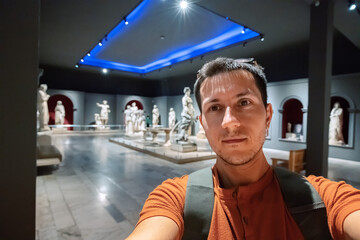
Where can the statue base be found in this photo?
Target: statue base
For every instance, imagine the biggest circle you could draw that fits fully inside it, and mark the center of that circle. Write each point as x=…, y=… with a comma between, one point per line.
x=181, y=146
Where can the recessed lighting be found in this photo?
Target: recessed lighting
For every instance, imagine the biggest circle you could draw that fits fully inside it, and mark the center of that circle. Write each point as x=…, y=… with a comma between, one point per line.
x=104, y=70
x=352, y=6
x=77, y=66
x=183, y=4
x=162, y=37
x=100, y=44
x=89, y=54
x=81, y=60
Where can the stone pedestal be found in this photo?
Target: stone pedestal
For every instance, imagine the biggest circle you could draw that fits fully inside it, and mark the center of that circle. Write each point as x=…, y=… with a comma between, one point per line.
x=183, y=146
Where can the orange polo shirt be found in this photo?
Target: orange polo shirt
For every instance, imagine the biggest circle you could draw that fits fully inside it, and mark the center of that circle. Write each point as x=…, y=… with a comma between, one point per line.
x=254, y=211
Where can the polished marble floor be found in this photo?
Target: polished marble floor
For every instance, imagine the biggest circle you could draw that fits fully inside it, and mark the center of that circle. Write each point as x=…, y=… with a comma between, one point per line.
x=100, y=187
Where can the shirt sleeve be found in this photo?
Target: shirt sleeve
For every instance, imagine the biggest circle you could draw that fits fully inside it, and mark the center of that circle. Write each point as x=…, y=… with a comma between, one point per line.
x=168, y=200
x=340, y=199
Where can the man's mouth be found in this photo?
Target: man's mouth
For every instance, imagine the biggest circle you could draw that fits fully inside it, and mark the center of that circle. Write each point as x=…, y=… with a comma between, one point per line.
x=233, y=140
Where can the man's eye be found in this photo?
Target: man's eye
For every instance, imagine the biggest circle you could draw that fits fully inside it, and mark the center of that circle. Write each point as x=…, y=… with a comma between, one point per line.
x=214, y=108
x=244, y=102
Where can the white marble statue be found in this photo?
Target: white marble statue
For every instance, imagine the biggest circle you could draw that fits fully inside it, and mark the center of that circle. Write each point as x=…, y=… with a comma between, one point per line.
x=134, y=116
x=104, y=113
x=43, y=109
x=97, y=119
x=335, y=125
x=59, y=113
x=155, y=116
x=187, y=115
x=141, y=120
x=172, y=118
x=129, y=126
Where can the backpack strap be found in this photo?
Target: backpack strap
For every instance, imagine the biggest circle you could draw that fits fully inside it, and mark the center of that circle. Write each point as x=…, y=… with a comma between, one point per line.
x=199, y=204
x=304, y=204
x=301, y=198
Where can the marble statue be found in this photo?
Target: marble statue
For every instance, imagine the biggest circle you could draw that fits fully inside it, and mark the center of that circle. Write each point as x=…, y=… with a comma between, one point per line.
x=134, y=116
x=104, y=113
x=187, y=115
x=289, y=127
x=335, y=126
x=155, y=116
x=129, y=127
x=43, y=109
x=97, y=119
x=141, y=120
x=59, y=113
x=172, y=118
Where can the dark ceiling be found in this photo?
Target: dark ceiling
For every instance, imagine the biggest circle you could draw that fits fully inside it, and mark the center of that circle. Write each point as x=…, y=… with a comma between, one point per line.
x=69, y=29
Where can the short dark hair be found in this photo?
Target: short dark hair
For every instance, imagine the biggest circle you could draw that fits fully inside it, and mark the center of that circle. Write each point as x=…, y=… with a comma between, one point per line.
x=221, y=64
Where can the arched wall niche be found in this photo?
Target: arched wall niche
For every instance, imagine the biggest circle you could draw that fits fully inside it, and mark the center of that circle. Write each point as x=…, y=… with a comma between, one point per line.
x=292, y=111
x=138, y=104
x=68, y=105
x=348, y=106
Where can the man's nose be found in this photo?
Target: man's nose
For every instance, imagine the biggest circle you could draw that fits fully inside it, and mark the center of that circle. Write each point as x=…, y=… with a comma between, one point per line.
x=229, y=119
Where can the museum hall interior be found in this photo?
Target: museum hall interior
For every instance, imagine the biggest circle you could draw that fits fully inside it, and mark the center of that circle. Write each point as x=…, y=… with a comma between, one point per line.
x=103, y=107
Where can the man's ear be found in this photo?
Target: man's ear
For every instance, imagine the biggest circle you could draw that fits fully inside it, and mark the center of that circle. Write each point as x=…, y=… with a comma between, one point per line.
x=269, y=113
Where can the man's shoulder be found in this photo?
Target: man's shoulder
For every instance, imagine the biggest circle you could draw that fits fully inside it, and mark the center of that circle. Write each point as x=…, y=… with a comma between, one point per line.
x=174, y=184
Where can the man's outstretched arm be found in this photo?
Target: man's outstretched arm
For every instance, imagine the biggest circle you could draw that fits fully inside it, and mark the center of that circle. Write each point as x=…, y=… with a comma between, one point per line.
x=157, y=228
x=352, y=226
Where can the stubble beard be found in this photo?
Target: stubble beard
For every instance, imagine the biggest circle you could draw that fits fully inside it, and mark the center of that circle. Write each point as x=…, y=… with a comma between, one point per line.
x=245, y=158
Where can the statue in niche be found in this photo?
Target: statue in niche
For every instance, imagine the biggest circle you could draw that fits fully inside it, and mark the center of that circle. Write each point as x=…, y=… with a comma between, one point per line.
x=172, y=118
x=43, y=109
x=129, y=127
x=335, y=126
x=134, y=116
x=187, y=115
x=104, y=113
x=289, y=127
x=59, y=113
x=155, y=116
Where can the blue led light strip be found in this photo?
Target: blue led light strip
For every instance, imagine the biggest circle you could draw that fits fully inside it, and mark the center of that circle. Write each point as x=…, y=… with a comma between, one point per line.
x=236, y=34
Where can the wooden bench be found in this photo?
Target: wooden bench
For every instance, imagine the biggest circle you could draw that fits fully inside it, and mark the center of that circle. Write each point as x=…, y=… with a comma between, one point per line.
x=295, y=163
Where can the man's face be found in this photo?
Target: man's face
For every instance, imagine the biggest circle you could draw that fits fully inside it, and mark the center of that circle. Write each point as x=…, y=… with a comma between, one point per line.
x=233, y=116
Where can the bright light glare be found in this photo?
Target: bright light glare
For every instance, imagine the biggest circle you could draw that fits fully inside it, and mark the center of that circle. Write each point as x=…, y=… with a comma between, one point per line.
x=183, y=4
x=104, y=70
x=102, y=197
x=352, y=7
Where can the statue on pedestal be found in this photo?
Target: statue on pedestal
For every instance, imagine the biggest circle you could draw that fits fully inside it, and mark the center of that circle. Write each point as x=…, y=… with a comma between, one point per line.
x=104, y=113
x=129, y=126
x=187, y=115
x=59, y=113
x=335, y=126
x=172, y=118
x=43, y=109
x=155, y=116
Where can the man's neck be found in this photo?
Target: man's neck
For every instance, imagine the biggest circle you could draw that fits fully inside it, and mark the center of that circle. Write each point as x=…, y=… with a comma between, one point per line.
x=231, y=176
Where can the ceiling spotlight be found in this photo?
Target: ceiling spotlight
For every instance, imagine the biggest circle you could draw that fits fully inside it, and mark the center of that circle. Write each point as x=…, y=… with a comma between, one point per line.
x=262, y=38
x=352, y=6
x=100, y=44
x=183, y=4
x=76, y=66
x=243, y=30
x=89, y=54
x=81, y=60
x=162, y=37
x=104, y=70
x=126, y=21
x=317, y=3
